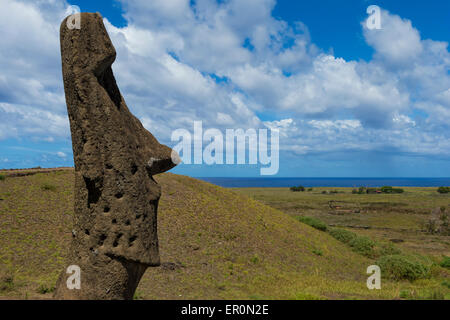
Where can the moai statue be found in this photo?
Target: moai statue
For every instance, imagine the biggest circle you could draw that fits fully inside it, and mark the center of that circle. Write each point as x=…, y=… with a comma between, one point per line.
x=114, y=238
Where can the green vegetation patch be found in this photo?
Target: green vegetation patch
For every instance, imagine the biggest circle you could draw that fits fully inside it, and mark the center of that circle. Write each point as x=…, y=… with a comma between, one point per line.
x=387, y=249
x=313, y=222
x=446, y=283
x=44, y=288
x=403, y=267
x=445, y=263
x=385, y=190
x=363, y=245
x=48, y=187
x=342, y=235
x=297, y=189
x=6, y=282
x=388, y=189
x=443, y=190
x=2, y=177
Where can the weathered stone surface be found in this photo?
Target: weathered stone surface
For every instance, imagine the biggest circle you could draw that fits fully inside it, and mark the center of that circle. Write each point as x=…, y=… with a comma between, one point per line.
x=116, y=199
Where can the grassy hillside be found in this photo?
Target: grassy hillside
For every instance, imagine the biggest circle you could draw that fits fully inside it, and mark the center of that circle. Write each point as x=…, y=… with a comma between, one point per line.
x=214, y=244
x=398, y=217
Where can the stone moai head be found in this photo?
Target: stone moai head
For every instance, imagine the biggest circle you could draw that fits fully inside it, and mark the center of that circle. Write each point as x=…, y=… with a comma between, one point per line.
x=116, y=197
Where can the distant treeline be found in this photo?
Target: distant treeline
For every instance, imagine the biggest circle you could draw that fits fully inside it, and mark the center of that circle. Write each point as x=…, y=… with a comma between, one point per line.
x=366, y=190
x=443, y=190
x=385, y=189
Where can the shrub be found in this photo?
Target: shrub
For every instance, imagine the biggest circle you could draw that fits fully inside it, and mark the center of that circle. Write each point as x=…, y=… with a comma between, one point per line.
x=254, y=259
x=313, y=222
x=445, y=263
x=446, y=283
x=404, y=294
x=6, y=282
x=387, y=249
x=297, y=189
x=310, y=189
x=443, y=190
x=403, y=267
x=354, y=191
x=48, y=186
x=2, y=177
x=342, y=235
x=388, y=189
x=363, y=246
x=43, y=289
x=362, y=190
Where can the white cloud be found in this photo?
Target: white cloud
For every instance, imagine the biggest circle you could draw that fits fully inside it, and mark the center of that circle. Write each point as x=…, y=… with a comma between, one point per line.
x=230, y=63
x=397, y=41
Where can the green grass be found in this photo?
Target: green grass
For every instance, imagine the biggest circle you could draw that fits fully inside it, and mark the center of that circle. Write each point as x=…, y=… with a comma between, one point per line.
x=363, y=245
x=313, y=222
x=446, y=283
x=403, y=267
x=6, y=283
x=445, y=262
x=45, y=288
x=342, y=235
x=48, y=187
x=226, y=245
x=372, y=223
x=382, y=217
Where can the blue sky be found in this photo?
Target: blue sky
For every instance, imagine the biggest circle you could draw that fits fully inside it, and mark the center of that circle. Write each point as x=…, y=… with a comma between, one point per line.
x=348, y=101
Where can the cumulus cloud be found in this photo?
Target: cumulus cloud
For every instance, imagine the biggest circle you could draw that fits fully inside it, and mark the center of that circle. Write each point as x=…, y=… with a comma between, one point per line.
x=230, y=64
x=31, y=91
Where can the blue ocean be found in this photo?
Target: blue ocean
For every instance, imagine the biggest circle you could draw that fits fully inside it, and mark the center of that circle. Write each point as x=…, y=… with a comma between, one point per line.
x=326, y=182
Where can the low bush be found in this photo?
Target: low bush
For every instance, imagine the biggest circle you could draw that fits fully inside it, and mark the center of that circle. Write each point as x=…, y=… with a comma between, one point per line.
x=297, y=189
x=403, y=267
x=389, y=189
x=44, y=289
x=446, y=283
x=443, y=190
x=372, y=191
x=342, y=235
x=313, y=222
x=6, y=282
x=387, y=249
x=363, y=245
x=445, y=263
x=48, y=187
x=2, y=177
